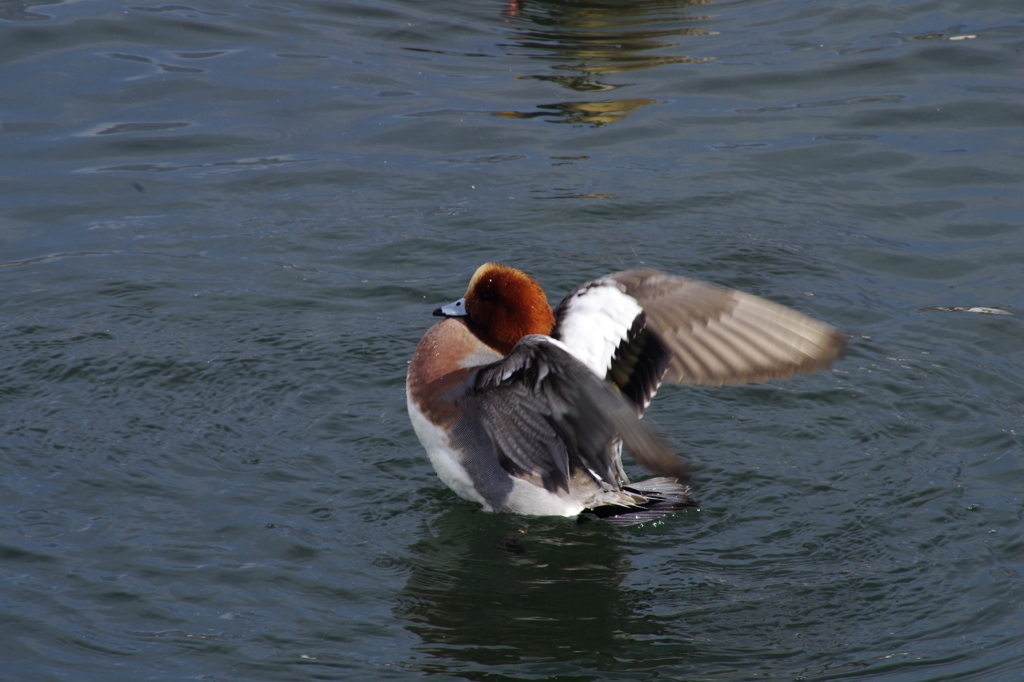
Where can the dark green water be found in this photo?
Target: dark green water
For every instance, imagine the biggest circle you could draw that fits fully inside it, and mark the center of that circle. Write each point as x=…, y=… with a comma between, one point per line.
x=223, y=228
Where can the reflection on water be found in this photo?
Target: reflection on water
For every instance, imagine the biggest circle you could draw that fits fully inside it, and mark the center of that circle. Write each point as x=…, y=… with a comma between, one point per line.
x=484, y=592
x=594, y=113
x=591, y=40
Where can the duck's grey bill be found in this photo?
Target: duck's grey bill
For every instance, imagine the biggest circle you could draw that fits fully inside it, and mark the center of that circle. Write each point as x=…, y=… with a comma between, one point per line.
x=456, y=309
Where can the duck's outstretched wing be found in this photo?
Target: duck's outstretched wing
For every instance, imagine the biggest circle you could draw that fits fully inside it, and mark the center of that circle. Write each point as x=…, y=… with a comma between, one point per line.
x=545, y=412
x=638, y=327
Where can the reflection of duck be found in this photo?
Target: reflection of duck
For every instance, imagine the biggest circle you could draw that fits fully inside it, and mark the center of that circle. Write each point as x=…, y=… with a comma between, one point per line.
x=604, y=37
x=594, y=40
x=596, y=114
x=483, y=592
x=509, y=398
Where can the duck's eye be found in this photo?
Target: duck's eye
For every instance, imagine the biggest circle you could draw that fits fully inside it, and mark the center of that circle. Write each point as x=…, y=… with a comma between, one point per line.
x=488, y=295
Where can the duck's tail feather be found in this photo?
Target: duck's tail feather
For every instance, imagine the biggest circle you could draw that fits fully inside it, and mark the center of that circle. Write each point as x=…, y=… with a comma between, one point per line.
x=661, y=496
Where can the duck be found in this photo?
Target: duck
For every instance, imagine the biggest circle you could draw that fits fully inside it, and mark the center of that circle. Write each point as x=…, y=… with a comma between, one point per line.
x=525, y=409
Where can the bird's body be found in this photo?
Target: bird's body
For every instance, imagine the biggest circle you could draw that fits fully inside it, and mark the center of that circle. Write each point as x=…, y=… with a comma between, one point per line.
x=525, y=410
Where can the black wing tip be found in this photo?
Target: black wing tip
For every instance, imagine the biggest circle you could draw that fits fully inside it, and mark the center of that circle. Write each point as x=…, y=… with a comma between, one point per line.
x=664, y=496
x=841, y=340
x=675, y=470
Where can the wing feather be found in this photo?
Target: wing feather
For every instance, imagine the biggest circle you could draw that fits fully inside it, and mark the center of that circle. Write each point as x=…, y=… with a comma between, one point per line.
x=543, y=409
x=718, y=336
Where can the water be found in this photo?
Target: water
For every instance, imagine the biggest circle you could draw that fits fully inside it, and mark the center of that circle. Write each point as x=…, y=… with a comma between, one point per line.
x=222, y=229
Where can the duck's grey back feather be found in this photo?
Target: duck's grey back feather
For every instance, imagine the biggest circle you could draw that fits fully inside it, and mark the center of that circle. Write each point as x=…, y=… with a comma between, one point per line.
x=545, y=412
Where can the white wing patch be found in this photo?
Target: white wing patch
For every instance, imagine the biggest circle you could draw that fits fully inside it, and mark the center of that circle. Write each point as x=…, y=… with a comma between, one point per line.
x=597, y=319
